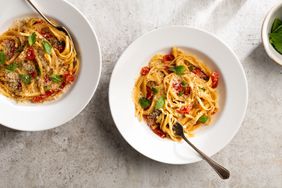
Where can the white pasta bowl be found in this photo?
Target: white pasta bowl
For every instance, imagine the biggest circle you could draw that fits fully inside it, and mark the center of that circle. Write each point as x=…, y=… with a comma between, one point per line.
x=35, y=117
x=232, y=91
x=275, y=12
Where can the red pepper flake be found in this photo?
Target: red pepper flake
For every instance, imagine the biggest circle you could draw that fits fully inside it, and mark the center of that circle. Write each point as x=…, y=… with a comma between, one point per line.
x=144, y=71
x=215, y=78
x=30, y=55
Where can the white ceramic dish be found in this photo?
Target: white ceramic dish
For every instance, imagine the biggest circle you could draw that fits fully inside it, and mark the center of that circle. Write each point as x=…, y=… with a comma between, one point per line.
x=232, y=92
x=275, y=12
x=30, y=117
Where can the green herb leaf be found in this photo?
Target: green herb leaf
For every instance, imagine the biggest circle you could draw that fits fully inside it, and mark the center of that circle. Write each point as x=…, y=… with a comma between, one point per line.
x=56, y=78
x=31, y=39
x=191, y=67
x=2, y=57
x=179, y=70
x=276, y=40
x=160, y=103
x=12, y=67
x=38, y=69
x=203, y=119
x=180, y=93
x=47, y=88
x=47, y=47
x=201, y=88
x=26, y=79
x=155, y=90
x=276, y=23
x=20, y=49
x=144, y=103
x=184, y=84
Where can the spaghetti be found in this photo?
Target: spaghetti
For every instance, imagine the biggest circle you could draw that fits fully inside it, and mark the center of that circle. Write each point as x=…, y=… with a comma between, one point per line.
x=38, y=63
x=176, y=87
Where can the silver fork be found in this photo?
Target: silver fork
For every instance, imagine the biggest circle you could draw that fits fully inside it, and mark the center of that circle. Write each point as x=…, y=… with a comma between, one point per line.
x=59, y=27
x=220, y=170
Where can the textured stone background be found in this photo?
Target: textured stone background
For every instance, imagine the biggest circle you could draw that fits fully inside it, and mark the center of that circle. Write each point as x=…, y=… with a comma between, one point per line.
x=89, y=152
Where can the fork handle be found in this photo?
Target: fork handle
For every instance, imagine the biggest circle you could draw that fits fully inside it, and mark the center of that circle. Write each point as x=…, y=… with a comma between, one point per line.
x=40, y=13
x=220, y=170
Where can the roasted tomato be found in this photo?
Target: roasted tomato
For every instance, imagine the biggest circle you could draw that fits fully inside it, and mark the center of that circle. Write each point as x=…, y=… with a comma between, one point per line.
x=215, y=78
x=159, y=132
x=144, y=71
x=185, y=110
x=168, y=57
x=30, y=54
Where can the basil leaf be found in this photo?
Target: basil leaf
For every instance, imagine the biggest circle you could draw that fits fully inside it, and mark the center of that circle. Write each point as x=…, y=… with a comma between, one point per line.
x=144, y=103
x=180, y=93
x=191, y=67
x=56, y=78
x=160, y=103
x=47, y=47
x=276, y=23
x=31, y=39
x=179, y=70
x=155, y=90
x=203, y=119
x=2, y=57
x=26, y=79
x=276, y=41
x=12, y=67
x=184, y=84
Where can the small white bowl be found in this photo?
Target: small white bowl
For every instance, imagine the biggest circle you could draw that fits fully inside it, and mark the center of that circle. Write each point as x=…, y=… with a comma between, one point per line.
x=275, y=12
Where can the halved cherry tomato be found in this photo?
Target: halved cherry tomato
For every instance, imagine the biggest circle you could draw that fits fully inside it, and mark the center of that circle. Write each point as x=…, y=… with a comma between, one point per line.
x=200, y=73
x=30, y=55
x=159, y=132
x=178, y=87
x=187, y=90
x=185, y=110
x=40, y=98
x=68, y=78
x=144, y=71
x=46, y=34
x=215, y=78
x=33, y=74
x=150, y=93
x=168, y=57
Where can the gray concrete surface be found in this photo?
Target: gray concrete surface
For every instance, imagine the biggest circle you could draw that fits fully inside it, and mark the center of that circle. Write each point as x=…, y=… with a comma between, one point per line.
x=89, y=152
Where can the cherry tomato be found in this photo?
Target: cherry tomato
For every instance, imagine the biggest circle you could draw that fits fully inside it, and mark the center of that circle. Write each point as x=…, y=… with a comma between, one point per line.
x=144, y=71
x=150, y=93
x=40, y=98
x=200, y=73
x=30, y=55
x=159, y=132
x=185, y=110
x=177, y=86
x=215, y=78
x=33, y=74
x=187, y=90
x=68, y=78
x=46, y=34
x=168, y=57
